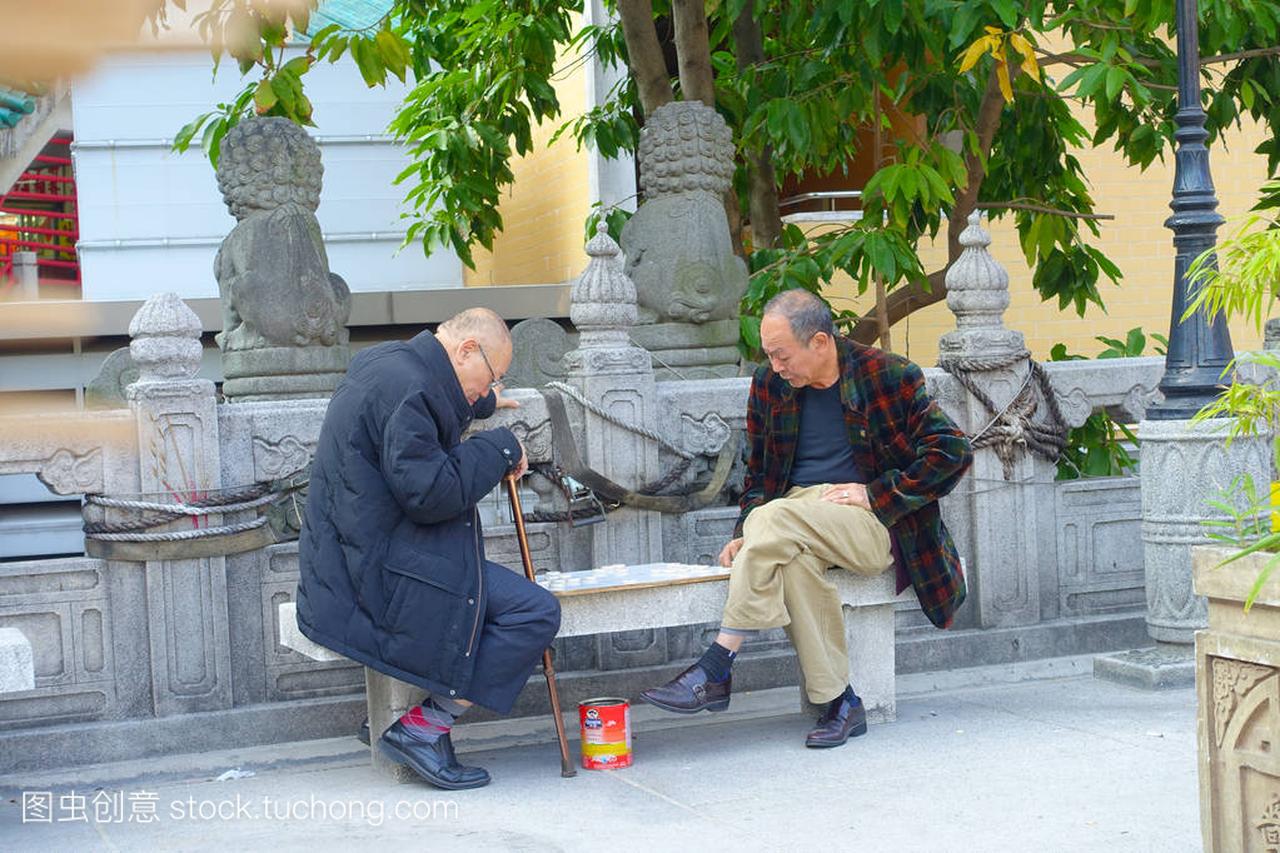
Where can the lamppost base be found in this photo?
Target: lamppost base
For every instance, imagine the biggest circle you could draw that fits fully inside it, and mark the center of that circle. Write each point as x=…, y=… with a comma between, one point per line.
x=1164, y=666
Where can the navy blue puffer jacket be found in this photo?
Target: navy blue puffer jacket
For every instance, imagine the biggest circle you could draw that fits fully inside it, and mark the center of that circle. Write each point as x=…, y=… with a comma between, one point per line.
x=391, y=551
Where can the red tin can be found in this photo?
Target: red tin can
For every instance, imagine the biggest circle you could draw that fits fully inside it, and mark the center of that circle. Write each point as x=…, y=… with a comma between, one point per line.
x=606, y=733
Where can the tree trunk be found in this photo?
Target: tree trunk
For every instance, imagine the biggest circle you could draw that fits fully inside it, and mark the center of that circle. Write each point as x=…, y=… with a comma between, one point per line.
x=989, y=112
x=904, y=301
x=693, y=51
x=882, y=316
x=882, y=306
x=697, y=83
x=762, y=193
x=912, y=297
x=644, y=54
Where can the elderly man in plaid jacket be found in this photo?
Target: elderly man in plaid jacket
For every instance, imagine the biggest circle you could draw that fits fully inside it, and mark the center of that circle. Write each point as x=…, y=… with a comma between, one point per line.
x=848, y=458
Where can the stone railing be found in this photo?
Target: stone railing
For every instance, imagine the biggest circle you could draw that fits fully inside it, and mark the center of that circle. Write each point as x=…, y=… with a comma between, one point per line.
x=134, y=641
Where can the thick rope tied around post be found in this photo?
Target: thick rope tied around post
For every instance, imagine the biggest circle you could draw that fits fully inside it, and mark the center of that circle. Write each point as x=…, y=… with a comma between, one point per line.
x=153, y=514
x=181, y=535
x=1014, y=426
x=212, y=506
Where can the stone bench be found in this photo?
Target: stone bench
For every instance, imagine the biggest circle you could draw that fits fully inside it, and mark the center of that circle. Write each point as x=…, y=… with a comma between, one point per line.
x=657, y=595
x=17, y=664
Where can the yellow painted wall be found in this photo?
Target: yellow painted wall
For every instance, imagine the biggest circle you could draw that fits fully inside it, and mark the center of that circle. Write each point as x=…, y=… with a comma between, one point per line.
x=1136, y=240
x=545, y=209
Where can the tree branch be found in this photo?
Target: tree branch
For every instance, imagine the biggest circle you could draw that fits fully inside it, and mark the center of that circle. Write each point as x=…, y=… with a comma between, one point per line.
x=1076, y=60
x=1097, y=25
x=1244, y=54
x=903, y=302
x=1040, y=208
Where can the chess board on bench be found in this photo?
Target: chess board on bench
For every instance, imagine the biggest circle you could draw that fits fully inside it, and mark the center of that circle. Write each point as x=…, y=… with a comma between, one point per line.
x=656, y=595
x=621, y=576
x=609, y=598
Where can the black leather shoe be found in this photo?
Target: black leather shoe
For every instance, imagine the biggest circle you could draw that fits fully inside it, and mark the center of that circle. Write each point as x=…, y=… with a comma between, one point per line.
x=434, y=762
x=844, y=718
x=690, y=692
x=363, y=734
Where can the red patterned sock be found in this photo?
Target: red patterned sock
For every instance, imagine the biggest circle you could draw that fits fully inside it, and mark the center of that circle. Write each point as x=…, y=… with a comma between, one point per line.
x=427, y=722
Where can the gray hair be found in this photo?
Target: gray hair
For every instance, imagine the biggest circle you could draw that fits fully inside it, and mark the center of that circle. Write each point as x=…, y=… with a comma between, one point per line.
x=805, y=311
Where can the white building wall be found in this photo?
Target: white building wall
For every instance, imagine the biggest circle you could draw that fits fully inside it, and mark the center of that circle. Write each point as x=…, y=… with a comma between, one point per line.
x=151, y=219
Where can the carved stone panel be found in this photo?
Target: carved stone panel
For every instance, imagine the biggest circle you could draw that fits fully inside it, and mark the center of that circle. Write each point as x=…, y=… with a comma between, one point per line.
x=1242, y=724
x=278, y=459
x=71, y=473
x=62, y=608
x=1099, y=545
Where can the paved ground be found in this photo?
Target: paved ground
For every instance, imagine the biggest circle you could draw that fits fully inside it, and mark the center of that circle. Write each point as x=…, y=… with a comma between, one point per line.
x=1054, y=764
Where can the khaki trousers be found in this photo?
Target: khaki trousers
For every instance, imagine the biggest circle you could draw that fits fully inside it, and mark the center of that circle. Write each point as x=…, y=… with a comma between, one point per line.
x=779, y=578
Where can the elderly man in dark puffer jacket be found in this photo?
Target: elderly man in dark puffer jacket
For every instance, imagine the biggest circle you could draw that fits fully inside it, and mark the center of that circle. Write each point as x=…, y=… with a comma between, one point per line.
x=393, y=572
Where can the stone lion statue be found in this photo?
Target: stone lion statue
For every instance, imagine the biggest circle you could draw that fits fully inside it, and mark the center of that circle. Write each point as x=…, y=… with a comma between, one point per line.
x=284, y=312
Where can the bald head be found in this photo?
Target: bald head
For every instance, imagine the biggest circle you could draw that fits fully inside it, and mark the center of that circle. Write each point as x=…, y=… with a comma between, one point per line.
x=479, y=346
x=478, y=323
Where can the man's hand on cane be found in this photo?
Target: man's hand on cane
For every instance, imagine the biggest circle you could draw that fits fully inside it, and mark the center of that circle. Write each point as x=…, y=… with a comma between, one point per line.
x=522, y=467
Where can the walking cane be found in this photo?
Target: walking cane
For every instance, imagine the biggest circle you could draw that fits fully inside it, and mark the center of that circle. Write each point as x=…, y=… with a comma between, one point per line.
x=566, y=764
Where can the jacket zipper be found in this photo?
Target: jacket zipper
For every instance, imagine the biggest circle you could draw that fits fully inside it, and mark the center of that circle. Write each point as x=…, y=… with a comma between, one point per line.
x=475, y=531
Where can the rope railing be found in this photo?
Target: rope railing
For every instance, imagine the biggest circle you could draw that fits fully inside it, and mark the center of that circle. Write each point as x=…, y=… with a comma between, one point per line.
x=138, y=537
x=1013, y=425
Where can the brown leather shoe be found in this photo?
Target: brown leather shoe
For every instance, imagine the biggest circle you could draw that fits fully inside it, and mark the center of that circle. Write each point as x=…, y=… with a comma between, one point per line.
x=844, y=718
x=690, y=692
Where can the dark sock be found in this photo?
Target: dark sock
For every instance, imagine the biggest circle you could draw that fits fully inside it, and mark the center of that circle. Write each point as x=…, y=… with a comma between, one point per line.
x=846, y=695
x=717, y=661
x=431, y=720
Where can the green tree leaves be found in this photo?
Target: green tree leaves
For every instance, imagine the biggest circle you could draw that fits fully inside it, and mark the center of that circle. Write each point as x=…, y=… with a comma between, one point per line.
x=256, y=34
x=921, y=70
x=483, y=81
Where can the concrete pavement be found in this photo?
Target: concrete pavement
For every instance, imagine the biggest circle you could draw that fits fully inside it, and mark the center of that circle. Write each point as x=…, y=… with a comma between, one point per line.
x=978, y=760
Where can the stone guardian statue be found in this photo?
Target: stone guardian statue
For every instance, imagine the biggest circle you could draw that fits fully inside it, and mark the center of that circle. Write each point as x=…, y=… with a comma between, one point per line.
x=284, y=313
x=678, y=249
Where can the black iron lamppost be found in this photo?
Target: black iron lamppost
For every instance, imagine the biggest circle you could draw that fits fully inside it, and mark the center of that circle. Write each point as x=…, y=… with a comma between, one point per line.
x=1198, y=350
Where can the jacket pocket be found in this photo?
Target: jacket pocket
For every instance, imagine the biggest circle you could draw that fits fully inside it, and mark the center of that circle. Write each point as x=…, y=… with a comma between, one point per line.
x=449, y=580
x=424, y=626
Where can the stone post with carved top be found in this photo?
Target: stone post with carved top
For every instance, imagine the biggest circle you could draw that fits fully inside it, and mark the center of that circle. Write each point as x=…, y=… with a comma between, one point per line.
x=178, y=458
x=999, y=510
x=617, y=376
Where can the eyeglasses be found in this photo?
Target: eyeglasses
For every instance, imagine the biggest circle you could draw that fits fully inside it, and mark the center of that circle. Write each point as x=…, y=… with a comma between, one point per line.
x=497, y=380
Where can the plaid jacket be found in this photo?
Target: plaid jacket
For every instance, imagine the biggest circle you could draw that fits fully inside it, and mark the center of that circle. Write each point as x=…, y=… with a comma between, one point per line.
x=914, y=454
